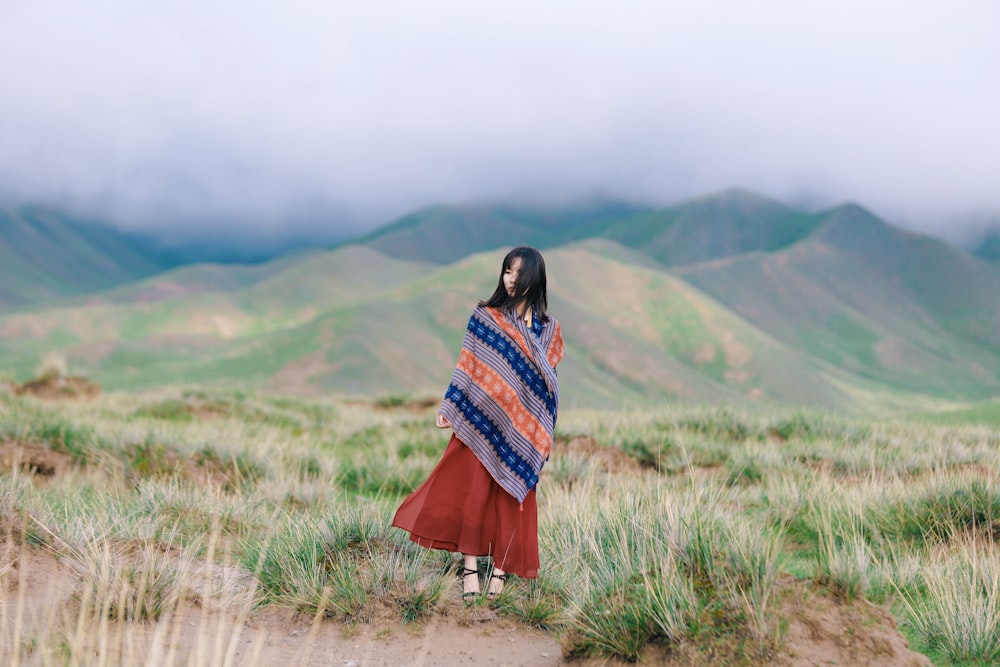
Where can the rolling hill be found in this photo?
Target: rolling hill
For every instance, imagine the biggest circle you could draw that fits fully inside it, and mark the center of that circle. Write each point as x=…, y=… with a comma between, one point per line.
x=731, y=297
x=637, y=334
x=885, y=304
x=840, y=285
x=728, y=223
x=181, y=315
x=46, y=255
x=989, y=248
x=732, y=222
x=445, y=234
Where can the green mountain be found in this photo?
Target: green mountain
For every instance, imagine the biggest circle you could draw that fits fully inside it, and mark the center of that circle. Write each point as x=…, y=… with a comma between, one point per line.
x=730, y=297
x=138, y=330
x=884, y=304
x=669, y=341
x=732, y=222
x=45, y=255
x=957, y=290
x=635, y=334
x=989, y=248
x=727, y=223
x=445, y=234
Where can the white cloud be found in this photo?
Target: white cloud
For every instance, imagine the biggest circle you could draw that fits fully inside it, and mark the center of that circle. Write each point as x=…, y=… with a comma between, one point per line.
x=251, y=111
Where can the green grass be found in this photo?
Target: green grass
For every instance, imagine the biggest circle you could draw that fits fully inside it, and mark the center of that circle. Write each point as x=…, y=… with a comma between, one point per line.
x=704, y=333
x=956, y=614
x=689, y=534
x=986, y=413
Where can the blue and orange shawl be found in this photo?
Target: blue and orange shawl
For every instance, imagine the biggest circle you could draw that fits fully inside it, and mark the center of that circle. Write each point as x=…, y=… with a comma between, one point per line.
x=504, y=396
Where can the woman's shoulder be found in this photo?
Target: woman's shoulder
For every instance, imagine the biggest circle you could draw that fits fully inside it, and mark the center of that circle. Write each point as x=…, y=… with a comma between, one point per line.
x=556, y=327
x=487, y=313
x=552, y=325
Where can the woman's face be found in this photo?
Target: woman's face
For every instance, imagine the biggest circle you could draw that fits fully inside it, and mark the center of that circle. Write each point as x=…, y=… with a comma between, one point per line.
x=510, y=275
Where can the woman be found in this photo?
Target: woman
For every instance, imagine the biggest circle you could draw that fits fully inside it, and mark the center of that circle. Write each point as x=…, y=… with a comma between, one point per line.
x=501, y=406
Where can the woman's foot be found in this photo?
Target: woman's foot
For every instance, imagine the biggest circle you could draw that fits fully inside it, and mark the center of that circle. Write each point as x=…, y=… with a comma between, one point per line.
x=497, y=580
x=470, y=583
x=470, y=579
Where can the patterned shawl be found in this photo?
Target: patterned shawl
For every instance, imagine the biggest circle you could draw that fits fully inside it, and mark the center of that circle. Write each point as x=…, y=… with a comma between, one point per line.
x=504, y=396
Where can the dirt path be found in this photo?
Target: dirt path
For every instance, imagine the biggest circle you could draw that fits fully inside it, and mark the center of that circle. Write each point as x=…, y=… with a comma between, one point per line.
x=442, y=641
x=40, y=608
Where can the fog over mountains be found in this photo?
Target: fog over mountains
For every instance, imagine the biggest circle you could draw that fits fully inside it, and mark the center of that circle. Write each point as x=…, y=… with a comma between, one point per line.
x=334, y=117
x=731, y=297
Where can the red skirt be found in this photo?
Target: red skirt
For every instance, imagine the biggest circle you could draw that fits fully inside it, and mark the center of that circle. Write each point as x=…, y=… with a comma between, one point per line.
x=461, y=508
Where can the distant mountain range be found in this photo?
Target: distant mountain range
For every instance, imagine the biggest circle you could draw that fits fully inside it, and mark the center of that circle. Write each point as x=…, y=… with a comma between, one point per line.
x=46, y=255
x=729, y=223
x=732, y=297
x=989, y=247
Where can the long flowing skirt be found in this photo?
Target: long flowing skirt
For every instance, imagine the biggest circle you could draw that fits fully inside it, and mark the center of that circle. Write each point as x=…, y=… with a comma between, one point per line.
x=461, y=508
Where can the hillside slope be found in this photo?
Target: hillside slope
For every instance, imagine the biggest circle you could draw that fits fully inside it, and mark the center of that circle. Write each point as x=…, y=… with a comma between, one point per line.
x=446, y=234
x=989, y=248
x=194, y=310
x=879, y=302
x=45, y=255
x=732, y=297
x=635, y=334
x=958, y=290
x=727, y=223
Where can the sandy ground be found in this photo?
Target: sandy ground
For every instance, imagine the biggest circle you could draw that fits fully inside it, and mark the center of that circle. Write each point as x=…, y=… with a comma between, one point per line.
x=38, y=599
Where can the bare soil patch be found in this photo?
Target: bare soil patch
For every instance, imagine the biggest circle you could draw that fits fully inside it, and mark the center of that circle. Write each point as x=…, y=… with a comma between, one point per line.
x=34, y=588
x=820, y=631
x=33, y=459
x=44, y=589
x=824, y=631
x=60, y=388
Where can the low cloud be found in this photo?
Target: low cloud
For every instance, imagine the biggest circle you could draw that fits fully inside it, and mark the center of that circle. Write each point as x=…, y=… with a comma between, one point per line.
x=339, y=116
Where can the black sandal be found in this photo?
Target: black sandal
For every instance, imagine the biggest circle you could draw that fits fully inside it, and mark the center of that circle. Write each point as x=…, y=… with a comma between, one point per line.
x=463, y=572
x=502, y=578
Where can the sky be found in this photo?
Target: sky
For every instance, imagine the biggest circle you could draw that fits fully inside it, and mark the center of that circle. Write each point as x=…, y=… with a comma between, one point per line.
x=336, y=117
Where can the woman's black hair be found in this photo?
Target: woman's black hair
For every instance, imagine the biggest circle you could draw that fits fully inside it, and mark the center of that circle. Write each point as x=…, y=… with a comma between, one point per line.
x=530, y=286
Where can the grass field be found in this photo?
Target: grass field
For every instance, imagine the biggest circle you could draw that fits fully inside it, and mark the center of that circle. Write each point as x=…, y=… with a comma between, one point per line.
x=706, y=535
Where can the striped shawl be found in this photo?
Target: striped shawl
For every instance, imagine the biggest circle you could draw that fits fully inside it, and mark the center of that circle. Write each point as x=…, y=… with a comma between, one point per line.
x=504, y=396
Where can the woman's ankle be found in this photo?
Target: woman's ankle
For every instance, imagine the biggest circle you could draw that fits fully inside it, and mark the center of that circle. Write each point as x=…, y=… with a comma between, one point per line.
x=496, y=583
x=470, y=577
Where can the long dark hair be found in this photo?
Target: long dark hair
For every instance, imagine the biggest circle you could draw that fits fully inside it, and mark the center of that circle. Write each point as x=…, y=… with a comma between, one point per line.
x=530, y=286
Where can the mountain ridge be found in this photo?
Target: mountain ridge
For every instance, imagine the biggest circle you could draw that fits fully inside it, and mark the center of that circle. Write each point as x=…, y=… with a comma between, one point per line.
x=730, y=297
x=46, y=255
x=988, y=248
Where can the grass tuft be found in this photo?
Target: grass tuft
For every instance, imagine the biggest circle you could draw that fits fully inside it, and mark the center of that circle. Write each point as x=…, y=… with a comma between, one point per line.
x=123, y=583
x=959, y=615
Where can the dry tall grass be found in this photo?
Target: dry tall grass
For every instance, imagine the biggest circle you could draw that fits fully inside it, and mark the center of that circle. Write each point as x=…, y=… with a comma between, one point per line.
x=206, y=508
